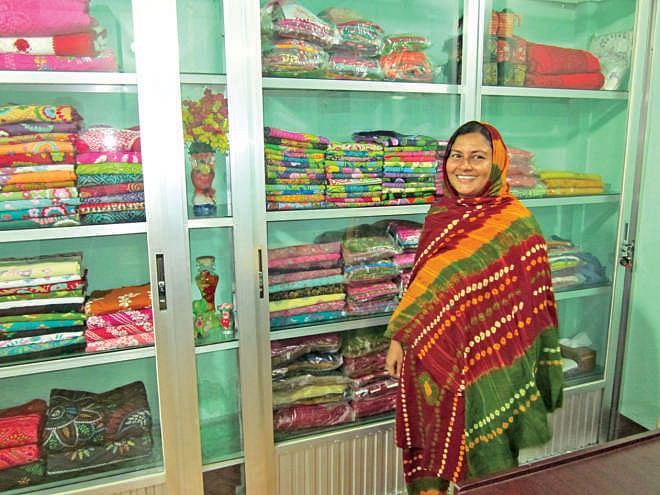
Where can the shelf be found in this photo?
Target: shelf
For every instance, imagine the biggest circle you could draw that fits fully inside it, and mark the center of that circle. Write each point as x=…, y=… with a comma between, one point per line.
x=72, y=232
x=571, y=200
x=223, y=464
x=371, y=211
x=218, y=79
x=75, y=361
x=525, y=92
x=219, y=346
x=85, y=82
x=340, y=325
x=210, y=223
x=288, y=83
x=563, y=295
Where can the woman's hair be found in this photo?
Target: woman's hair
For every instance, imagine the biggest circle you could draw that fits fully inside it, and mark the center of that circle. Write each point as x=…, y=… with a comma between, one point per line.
x=468, y=128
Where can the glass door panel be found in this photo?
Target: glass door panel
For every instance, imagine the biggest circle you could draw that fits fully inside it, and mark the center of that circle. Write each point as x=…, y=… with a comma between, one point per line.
x=201, y=37
x=383, y=42
x=560, y=45
x=85, y=413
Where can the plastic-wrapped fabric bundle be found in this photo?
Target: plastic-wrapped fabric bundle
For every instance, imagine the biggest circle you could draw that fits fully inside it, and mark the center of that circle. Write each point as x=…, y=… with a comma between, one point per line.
x=287, y=350
x=313, y=362
x=360, y=37
x=371, y=272
x=364, y=341
x=346, y=66
x=371, y=406
x=404, y=42
x=362, y=365
x=407, y=66
x=309, y=388
x=367, y=242
x=300, y=417
x=294, y=58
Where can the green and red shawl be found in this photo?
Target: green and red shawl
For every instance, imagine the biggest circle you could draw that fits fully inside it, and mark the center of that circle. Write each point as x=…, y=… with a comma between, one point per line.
x=478, y=323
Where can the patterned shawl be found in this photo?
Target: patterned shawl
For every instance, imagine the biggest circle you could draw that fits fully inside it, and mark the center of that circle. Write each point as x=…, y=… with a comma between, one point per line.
x=479, y=327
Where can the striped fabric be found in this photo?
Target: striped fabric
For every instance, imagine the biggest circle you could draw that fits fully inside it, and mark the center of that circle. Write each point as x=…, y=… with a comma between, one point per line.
x=478, y=321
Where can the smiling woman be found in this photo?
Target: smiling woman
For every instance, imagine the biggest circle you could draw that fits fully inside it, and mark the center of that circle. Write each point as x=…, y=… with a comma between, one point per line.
x=470, y=161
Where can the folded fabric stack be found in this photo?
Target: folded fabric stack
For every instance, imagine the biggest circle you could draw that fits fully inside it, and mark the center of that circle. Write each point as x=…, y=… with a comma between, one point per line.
x=110, y=175
x=442, y=149
x=51, y=35
x=355, y=56
x=41, y=303
x=402, y=58
x=21, y=463
x=119, y=318
x=353, y=174
x=87, y=431
x=369, y=270
x=372, y=390
x=571, y=267
x=406, y=235
x=305, y=284
x=295, y=176
x=299, y=40
x=522, y=179
x=37, y=166
x=511, y=59
x=566, y=183
x=309, y=391
x=558, y=67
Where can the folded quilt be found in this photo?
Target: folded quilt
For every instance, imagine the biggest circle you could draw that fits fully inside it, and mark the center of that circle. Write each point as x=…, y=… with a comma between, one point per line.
x=75, y=44
x=273, y=132
x=27, y=269
x=109, y=157
x=312, y=308
x=109, y=168
x=28, y=204
x=133, y=340
x=305, y=318
x=305, y=283
x=85, y=209
x=43, y=158
x=18, y=456
x=106, y=333
x=586, y=80
x=118, y=318
x=301, y=302
x=109, y=189
x=42, y=350
x=21, y=425
x=106, y=301
x=30, y=127
x=58, y=137
x=302, y=275
x=107, y=179
x=34, y=303
x=42, y=222
x=60, y=193
x=10, y=114
x=549, y=59
x=304, y=292
x=105, y=61
x=113, y=217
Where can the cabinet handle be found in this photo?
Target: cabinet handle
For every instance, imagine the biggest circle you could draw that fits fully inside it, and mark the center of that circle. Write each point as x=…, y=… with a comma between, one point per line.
x=160, y=281
x=260, y=274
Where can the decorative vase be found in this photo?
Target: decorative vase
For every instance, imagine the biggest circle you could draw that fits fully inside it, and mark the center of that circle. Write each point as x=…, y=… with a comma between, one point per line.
x=207, y=280
x=202, y=159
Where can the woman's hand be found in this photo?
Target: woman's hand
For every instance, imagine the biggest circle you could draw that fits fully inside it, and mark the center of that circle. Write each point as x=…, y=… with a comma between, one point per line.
x=394, y=359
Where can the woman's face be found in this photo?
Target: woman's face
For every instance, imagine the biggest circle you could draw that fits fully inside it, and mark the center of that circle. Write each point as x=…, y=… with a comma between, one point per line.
x=469, y=163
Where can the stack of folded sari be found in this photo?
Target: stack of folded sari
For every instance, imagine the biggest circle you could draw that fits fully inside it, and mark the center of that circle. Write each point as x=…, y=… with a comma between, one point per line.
x=406, y=234
x=21, y=462
x=41, y=302
x=294, y=169
x=521, y=177
x=403, y=59
x=37, y=166
x=353, y=173
x=308, y=389
x=369, y=270
x=567, y=183
x=571, y=267
x=51, y=35
x=119, y=318
x=372, y=390
x=110, y=175
x=87, y=431
x=551, y=66
x=305, y=284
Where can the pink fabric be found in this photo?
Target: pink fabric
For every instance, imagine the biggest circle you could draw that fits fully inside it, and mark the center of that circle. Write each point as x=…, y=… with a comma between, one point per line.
x=300, y=262
x=104, y=62
x=43, y=17
x=521, y=180
x=17, y=456
x=375, y=405
x=404, y=260
x=304, y=249
x=314, y=308
x=137, y=316
x=106, y=138
x=95, y=334
x=282, y=278
x=549, y=59
x=109, y=157
x=358, y=366
x=299, y=417
x=521, y=169
x=146, y=338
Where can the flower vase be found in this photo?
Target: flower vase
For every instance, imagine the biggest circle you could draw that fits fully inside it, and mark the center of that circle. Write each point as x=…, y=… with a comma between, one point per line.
x=202, y=160
x=207, y=280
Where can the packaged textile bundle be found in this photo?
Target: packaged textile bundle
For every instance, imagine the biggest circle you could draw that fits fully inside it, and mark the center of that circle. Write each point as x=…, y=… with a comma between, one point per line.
x=402, y=58
x=406, y=234
x=353, y=174
x=566, y=183
x=372, y=390
x=369, y=270
x=299, y=40
x=295, y=177
x=305, y=284
x=97, y=431
x=52, y=35
x=409, y=166
x=571, y=267
x=21, y=461
x=522, y=179
x=37, y=166
x=558, y=67
x=308, y=389
x=110, y=181
x=119, y=318
x=41, y=304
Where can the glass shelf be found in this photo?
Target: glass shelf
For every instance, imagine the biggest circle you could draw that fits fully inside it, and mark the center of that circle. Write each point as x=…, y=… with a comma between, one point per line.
x=73, y=232
x=220, y=80
x=207, y=223
x=270, y=83
x=219, y=346
x=553, y=93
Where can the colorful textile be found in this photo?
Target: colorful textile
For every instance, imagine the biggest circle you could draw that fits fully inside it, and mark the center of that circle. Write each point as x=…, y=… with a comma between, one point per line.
x=105, y=61
x=102, y=139
x=21, y=128
x=295, y=136
x=110, y=189
x=107, y=179
x=73, y=45
x=39, y=18
x=74, y=342
x=407, y=66
x=42, y=222
x=21, y=425
x=52, y=193
x=479, y=324
x=113, y=217
x=135, y=340
x=11, y=114
x=22, y=476
x=26, y=269
x=118, y=318
x=293, y=58
x=109, y=168
x=298, y=417
x=18, y=456
x=106, y=301
x=305, y=318
x=336, y=305
x=587, y=80
x=85, y=209
x=548, y=59
x=104, y=333
x=109, y=157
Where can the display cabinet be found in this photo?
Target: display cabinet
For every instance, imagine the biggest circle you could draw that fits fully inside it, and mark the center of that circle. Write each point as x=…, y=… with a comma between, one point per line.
x=257, y=224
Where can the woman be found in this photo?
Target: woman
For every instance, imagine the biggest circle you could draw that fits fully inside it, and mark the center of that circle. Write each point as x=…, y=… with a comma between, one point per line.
x=475, y=337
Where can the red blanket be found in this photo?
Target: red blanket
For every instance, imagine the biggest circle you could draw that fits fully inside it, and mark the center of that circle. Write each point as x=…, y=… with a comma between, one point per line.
x=583, y=80
x=548, y=59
